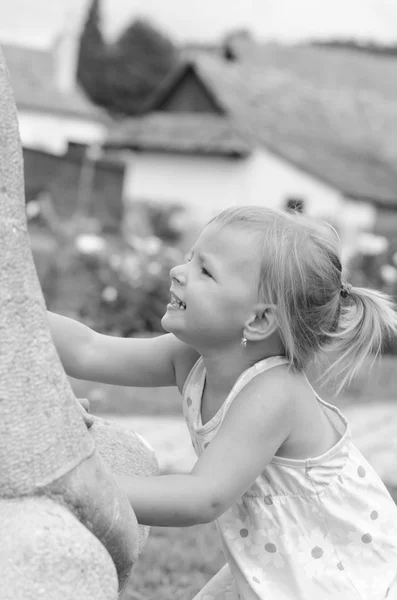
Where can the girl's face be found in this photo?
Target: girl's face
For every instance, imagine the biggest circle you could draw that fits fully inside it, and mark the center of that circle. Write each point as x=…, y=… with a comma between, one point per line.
x=215, y=291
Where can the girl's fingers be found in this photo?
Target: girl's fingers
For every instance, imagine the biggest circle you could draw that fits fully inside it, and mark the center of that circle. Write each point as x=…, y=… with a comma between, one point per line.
x=85, y=403
x=84, y=406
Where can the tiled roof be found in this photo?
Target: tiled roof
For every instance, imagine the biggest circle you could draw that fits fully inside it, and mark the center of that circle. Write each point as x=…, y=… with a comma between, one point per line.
x=32, y=79
x=332, y=113
x=175, y=132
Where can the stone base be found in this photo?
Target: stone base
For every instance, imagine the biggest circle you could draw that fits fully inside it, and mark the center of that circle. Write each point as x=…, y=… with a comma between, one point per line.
x=125, y=453
x=47, y=554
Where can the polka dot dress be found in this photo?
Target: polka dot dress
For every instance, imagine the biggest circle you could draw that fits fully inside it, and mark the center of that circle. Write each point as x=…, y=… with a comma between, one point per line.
x=324, y=527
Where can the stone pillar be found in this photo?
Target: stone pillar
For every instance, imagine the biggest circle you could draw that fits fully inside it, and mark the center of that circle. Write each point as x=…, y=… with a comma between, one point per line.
x=67, y=530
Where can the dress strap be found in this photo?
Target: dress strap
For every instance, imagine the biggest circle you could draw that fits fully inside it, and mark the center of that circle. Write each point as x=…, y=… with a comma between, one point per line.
x=334, y=409
x=259, y=367
x=194, y=374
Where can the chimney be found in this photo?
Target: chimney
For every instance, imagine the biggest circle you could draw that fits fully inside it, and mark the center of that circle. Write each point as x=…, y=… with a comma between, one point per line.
x=65, y=52
x=238, y=44
x=229, y=52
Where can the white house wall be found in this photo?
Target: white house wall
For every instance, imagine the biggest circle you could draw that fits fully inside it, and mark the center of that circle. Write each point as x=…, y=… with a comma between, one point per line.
x=52, y=132
x=203, y=184
x=273, y=181
x=206, y=185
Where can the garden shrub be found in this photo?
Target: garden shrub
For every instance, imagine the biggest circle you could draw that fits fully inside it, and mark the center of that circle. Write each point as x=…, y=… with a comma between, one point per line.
x=374, y=265
x=115, y=284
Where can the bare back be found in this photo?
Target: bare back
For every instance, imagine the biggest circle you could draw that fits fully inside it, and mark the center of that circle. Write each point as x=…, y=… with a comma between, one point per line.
x=316, y=429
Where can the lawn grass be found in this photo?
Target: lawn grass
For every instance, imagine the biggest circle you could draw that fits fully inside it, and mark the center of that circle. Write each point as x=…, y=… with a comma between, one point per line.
x=176, y=563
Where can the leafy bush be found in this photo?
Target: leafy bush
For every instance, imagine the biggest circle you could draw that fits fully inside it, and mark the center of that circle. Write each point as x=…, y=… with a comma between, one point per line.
x=169, y=221
x=115, y=284
x=374, y=265
x=132, y=283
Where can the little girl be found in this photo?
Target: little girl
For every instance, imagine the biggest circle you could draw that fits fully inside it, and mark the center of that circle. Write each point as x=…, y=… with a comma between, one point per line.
x=300, y=513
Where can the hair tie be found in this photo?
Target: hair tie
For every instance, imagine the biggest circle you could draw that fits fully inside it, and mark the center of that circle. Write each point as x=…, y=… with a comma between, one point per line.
x=345, y=290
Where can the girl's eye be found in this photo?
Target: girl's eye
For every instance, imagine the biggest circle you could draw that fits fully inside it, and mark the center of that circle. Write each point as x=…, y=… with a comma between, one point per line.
x=205, y=272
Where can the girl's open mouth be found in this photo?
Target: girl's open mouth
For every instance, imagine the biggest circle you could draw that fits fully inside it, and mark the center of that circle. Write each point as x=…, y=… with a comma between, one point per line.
x=177, y=302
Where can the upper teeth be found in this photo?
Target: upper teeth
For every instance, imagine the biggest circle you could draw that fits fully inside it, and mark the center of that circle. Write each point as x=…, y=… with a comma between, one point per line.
x=177, y=303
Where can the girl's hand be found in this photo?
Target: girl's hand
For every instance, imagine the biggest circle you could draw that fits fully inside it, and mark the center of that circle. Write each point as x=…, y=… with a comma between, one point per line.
x=84, y=406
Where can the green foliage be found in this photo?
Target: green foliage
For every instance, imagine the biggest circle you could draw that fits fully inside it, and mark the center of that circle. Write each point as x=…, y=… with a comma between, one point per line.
x=167, y=221
x=138, y=63
x=122, y=76
x=92, y=56
x=117, y=285
x=374, y=265
x=130, y=287
x=368, y=47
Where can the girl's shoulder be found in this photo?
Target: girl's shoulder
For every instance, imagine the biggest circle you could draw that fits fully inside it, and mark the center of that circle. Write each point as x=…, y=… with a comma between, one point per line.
x=267, y=383
x=272, y=369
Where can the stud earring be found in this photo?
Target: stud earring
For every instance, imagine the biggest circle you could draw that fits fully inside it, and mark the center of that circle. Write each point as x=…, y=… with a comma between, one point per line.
x=244, y=341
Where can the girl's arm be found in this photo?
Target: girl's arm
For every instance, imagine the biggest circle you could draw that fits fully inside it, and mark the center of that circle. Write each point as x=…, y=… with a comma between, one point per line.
x=255, y=426
x=86, y=354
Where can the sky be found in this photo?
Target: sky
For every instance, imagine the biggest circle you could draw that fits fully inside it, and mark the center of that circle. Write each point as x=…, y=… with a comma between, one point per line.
x=38, y=21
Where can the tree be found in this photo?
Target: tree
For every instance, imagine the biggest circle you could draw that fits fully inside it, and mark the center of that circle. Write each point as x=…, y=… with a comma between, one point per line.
x=368, y=47
x=137, y=64
x=92, y=57
x=121, y=76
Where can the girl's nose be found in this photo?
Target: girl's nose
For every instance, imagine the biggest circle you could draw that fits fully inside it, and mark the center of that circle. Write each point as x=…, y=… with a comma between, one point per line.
x=177, y=274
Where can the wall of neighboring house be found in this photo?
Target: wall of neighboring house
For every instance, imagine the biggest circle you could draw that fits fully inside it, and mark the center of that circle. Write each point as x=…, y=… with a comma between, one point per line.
x=276, y=181
x=52, y=133
x=205, y=185
x=69, y=180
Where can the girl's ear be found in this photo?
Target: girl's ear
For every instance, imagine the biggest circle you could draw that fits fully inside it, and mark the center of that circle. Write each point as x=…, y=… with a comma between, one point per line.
x=261, y=324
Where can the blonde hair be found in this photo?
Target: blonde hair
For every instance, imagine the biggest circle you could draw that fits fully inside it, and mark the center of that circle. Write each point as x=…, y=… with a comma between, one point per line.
x=317, y=313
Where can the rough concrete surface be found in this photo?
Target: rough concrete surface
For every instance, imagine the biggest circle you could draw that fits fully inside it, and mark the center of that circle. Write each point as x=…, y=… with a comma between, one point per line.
x=67, y=530
x=46, y=554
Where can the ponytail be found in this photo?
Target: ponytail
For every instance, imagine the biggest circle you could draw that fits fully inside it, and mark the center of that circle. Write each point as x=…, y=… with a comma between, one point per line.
x=318, y=316
x=367, y=319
